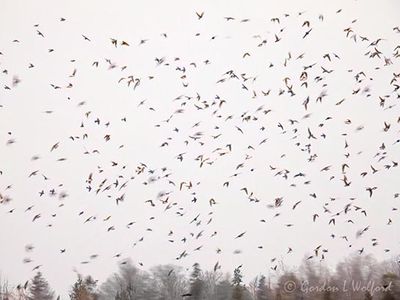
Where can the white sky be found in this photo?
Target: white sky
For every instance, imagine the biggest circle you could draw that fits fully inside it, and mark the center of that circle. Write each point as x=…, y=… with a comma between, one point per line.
x=35, y=132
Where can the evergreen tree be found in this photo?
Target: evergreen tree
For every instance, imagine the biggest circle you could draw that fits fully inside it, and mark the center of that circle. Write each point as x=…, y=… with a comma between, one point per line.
x=39, y=289
x=237, y=285
x=262, y=289
x=196, y=283
x=237, y=277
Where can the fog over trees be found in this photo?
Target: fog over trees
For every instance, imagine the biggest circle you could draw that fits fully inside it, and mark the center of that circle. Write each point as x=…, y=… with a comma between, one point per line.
x=357, y=277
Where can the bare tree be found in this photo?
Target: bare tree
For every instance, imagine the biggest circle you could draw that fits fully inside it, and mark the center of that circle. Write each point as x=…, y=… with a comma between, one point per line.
x=128, y=283
x=289, y=287
x=316, y=275
x=224, y=289
x=170, y=281
x=84, y=289
x=211, y=280
x=5, y=290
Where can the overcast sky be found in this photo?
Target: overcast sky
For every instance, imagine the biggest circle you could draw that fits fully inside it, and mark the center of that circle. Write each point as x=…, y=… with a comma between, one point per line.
x=196, y=54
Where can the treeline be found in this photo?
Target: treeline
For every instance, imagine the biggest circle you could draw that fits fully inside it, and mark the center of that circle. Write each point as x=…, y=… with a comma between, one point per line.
x=358, y=277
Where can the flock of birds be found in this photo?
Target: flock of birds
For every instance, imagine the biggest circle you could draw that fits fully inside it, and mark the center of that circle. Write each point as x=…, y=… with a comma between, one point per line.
x=225, y=131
